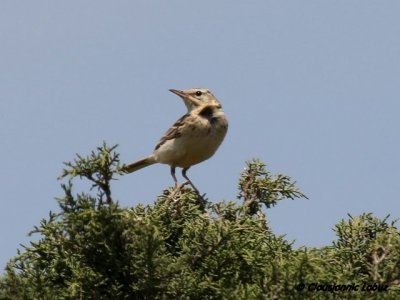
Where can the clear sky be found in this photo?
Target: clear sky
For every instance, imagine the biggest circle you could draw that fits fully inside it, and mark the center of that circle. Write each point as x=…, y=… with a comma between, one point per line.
x=312, y=88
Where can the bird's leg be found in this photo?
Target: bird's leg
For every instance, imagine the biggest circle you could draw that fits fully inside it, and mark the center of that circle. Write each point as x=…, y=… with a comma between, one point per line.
x=188, y=180
x=201, y=200
x=173, y=176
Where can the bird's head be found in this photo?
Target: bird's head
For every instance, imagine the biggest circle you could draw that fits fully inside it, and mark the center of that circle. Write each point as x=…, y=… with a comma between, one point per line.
x=196, y=97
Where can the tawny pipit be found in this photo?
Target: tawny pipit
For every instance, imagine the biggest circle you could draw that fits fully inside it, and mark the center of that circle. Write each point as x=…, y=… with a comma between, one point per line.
x=193, y=138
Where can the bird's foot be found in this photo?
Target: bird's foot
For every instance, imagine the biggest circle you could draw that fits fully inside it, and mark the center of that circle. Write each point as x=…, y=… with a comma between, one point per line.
x=201, y=198
x=191, y=184
x=180, y=189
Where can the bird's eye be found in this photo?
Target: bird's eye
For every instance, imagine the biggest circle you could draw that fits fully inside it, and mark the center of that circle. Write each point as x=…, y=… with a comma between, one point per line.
x=198, y=93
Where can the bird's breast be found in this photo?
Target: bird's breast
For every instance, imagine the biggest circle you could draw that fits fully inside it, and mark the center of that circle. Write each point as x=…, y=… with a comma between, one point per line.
x=198, y=141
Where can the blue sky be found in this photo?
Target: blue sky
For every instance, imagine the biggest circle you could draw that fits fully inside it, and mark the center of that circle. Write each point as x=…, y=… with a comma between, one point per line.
x=312, y=88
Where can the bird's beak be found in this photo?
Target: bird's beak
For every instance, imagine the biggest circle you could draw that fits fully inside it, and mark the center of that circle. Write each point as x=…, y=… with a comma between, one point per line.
x=178, y=92
x=189, y=101
x=185, y=97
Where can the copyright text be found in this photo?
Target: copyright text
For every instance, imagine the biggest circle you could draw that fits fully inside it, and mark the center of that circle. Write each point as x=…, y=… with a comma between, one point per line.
x=333, y=288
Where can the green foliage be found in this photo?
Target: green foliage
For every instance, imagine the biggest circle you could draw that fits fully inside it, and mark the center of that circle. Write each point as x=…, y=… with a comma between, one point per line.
x=186, y=247
x=257, y=185
x=370, y=247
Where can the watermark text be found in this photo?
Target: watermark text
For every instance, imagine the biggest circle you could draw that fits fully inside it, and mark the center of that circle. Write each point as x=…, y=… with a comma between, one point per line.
x=337, y=288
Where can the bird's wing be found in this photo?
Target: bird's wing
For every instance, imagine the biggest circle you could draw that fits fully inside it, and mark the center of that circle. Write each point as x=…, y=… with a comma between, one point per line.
x=174, y=132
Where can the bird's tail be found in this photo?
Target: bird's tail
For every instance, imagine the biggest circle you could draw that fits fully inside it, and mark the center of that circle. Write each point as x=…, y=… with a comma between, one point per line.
x=145, y=162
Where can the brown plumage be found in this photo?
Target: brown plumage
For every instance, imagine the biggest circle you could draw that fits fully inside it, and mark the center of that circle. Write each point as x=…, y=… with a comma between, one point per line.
x=193, y=138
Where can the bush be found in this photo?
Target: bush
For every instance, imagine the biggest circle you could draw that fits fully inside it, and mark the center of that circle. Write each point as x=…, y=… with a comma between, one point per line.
x=186, y=247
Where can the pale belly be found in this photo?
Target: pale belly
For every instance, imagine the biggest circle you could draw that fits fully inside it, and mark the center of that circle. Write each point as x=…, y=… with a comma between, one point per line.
x=190, y=149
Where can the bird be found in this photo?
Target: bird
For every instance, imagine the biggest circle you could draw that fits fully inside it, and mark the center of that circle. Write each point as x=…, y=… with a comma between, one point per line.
x=192, y=139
